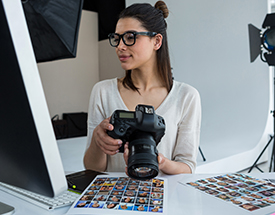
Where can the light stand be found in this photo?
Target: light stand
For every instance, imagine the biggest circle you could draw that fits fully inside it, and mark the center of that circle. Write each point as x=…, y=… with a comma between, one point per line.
x=203, y=158
x=272, y=138
x=258, y=43
x=272, y=159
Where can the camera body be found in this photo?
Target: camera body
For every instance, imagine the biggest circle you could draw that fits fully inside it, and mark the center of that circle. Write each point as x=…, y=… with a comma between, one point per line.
x=143, y=129
x=143, y=119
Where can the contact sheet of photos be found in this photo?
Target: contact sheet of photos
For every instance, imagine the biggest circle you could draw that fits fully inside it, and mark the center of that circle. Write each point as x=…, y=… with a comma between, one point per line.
x=112, y=195
x=241, y=190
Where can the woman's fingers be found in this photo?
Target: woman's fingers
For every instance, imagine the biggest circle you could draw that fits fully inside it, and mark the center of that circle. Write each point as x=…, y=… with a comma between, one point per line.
x=108, y=148
x=107, y=125
x=126, y=153
x=126, y=170
x=161, y=160
x=106, y=143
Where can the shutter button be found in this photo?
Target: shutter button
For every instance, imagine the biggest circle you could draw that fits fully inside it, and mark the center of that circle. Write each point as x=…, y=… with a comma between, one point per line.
x=121, y=130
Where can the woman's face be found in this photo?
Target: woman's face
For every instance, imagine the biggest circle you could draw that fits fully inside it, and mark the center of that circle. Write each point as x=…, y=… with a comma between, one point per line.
x=140, y=55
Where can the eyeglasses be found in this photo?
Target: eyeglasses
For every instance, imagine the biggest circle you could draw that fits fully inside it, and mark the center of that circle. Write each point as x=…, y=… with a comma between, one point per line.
x=129, y=37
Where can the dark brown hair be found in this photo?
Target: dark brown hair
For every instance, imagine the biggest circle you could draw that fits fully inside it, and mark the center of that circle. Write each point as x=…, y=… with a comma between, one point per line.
x=152, y=19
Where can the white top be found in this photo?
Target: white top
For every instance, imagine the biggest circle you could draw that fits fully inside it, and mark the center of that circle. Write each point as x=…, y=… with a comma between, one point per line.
x=181, y=111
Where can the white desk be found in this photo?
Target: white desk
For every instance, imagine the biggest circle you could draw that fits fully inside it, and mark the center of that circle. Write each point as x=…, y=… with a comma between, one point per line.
x=71, y=153
x=181, y=199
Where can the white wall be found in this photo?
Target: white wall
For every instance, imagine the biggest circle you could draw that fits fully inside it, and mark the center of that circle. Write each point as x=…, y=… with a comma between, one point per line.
x=209, y=49
x=68, y=83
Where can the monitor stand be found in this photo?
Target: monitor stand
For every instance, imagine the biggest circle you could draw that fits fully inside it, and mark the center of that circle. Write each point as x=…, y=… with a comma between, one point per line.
x=6, y=209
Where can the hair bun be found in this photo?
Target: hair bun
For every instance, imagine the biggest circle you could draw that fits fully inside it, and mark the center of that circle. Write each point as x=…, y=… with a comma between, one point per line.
x=163, y=7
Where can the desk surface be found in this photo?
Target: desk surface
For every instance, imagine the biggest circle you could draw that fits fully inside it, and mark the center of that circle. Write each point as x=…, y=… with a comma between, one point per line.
x=181, y=200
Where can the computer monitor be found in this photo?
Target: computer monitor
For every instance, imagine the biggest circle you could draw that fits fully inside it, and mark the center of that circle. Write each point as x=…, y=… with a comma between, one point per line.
x=29, y=155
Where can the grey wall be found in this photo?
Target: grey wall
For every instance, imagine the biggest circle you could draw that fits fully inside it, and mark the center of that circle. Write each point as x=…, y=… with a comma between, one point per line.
x=109, y=65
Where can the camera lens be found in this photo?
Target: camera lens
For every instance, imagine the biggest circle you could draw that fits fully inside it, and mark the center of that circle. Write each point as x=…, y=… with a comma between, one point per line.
x=143, y=169
x=143, y=156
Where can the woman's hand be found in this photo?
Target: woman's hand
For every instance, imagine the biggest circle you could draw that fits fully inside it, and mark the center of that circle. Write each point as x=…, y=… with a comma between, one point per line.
x=161, y=161
x=172, y=167
x=126, y=156
x=106, y=143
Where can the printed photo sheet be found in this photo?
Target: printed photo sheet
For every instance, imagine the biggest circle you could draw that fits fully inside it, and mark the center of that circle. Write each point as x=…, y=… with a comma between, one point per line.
x=118, y=195
x=243, y=191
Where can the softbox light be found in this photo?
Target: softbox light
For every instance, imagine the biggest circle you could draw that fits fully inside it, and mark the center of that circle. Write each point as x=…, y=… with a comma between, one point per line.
x=108, y=12
x=53, y=27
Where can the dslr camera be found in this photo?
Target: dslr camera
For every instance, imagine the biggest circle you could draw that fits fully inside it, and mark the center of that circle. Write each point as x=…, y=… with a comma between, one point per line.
x=143, y=129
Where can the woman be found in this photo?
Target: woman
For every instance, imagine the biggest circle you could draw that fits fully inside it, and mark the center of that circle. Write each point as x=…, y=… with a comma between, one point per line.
x=141, y=45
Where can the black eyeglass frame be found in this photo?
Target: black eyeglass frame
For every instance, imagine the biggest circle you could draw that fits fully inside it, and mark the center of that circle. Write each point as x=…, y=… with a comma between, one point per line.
x=121, y=36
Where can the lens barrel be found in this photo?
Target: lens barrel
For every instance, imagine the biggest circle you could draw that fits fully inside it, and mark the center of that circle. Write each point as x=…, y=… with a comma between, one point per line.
x=143, y=157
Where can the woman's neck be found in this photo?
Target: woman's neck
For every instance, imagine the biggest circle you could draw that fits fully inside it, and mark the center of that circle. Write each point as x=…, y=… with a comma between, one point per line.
x=146, y=78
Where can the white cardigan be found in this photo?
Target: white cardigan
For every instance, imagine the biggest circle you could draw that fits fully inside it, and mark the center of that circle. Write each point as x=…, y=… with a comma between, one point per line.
x=181, y=111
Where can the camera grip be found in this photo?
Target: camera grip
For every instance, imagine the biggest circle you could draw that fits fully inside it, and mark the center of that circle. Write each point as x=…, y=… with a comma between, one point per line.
x=114, y=135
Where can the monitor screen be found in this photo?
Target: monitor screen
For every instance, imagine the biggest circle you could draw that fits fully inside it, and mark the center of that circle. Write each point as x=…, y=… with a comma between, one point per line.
x=29, y=155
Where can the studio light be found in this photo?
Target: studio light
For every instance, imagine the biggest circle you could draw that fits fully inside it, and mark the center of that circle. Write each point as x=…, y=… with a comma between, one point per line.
x=262, y=42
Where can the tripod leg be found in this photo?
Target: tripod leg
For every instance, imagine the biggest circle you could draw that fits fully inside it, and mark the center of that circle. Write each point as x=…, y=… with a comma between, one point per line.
x=271, y=159
x=259, y=169
x=202, y=154
x=273, y=154
x=255, y=163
